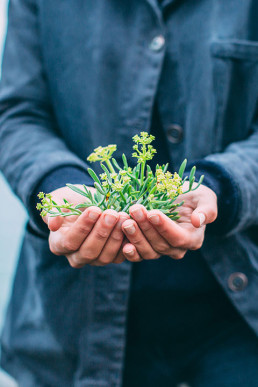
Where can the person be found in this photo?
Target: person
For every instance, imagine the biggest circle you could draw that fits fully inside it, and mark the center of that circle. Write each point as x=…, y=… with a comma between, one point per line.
x=107, y=300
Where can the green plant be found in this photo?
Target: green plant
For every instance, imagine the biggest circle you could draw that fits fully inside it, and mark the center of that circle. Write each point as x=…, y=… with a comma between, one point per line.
x=121, y=187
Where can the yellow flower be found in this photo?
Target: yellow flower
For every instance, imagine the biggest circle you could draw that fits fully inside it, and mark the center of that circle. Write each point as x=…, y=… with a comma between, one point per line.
x=102, y=153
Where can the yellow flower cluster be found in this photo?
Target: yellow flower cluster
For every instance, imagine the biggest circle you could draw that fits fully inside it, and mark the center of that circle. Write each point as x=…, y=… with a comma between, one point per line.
x=168, y=182
x=144, y=138
x=102, y=153
x=119, y=180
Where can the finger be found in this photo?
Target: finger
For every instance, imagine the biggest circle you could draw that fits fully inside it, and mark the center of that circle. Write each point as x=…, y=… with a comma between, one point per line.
x=131, y=253
x=136, y=238
x=206, y=212
x=70, y=240
x=114, y=242
x=120, y=255
x=173, y=233
x=158, y=243
x=177, y=253
x=53, y=223
x=82, y=227
x=94, y=243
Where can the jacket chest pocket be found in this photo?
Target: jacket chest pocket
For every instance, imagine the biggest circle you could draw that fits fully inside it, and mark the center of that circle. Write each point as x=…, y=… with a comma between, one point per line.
x=235, y=85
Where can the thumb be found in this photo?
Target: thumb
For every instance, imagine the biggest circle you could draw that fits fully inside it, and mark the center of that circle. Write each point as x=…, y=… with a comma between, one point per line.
x=204, y=214
x=53, y=223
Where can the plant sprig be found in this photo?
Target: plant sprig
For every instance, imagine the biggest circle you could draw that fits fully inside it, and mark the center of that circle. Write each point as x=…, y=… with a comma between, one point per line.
x=119, y=187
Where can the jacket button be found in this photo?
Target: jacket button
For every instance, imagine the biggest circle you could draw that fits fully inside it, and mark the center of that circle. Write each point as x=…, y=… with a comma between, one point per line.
x=175, y=133
x=237, y=282
x=157, y=43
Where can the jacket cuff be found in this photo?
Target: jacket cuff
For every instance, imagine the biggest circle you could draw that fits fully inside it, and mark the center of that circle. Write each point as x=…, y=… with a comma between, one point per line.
x=221, y=182
x=57, y=178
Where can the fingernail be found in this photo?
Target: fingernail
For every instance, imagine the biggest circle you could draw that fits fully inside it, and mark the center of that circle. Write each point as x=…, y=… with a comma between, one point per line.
x=130, y=229
x=202, y=218
x=138, y=214
x=93, y=215
x=121, y=221
x=130, y=252
x=154, y=219
x=110, y=220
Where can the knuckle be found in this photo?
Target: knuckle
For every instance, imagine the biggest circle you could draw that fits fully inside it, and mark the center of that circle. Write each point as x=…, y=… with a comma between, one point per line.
x=102, y=234
x=154, y=256
x=180, y=243
x=163, y=249
x=197, y=245
x=53, y=249
x=136, y=241
x=75, y=262
x=179, y=255
x=83, y=229
x=103, y=261
x=89, y=255
x=146, y=227
x=69, y=245
x=117, y=236
x=213, y=214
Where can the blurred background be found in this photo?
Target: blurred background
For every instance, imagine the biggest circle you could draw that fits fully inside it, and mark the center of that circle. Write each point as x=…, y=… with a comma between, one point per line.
x=12, y=219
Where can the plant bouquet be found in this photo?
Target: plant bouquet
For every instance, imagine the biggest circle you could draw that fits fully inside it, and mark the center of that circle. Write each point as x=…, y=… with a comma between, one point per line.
x=119, y=187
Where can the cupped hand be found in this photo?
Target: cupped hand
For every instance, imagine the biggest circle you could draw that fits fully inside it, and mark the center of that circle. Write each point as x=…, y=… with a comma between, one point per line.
x=152, y=234
x=94, y=237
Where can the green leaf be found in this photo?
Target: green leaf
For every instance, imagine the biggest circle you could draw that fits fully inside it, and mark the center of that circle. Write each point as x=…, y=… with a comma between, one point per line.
x=165, y=168
x=182, y=168
x=99, y=188
x=83, y=205
x=77, y=190
x=191, y=183
x=137, y=171
x=94, y=176
x=199, y=183
x=192, y=173
x=143, y=188
x=116, y=164
x=125, y=161
x=149, y=170
x=109, y=178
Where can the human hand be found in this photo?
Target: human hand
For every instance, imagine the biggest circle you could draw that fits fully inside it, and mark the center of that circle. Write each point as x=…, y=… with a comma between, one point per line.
x=94, y=237
x=152, y=234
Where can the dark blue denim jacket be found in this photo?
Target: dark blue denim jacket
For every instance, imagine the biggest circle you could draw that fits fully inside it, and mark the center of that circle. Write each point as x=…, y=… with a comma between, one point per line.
x=84, y=73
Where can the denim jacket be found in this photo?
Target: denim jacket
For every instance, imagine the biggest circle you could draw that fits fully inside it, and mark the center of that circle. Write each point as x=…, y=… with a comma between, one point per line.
x=79, y=74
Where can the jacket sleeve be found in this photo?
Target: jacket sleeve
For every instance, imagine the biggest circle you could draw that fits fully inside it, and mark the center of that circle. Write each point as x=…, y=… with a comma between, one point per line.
x=240, y=162
x=30, y=147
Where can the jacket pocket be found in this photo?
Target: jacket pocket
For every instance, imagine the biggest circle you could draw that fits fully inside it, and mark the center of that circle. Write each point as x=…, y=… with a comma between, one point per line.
x=235, y=85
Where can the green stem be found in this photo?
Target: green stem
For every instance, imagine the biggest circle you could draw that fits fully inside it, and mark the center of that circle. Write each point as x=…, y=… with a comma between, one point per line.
x=122, y=196
x=142, y=171
x=110, y=166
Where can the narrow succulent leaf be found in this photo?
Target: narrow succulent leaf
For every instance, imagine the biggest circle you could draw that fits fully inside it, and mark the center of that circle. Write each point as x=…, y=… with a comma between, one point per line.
x=149, y=170
x=165, y=168
x=192, y=173
x=144, y=186
x=107, y=173
x=191, y=183
x=199, y=183
x=94, y=176
x=125, y=161
x=116, y=164
x=137, y=171
x=182, y=168
x=77, y=190
x=99, y=188
x=83, y=205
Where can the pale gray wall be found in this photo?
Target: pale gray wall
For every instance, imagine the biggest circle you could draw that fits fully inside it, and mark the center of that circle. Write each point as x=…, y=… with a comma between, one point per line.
x=12, y=219
x=12, y=215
